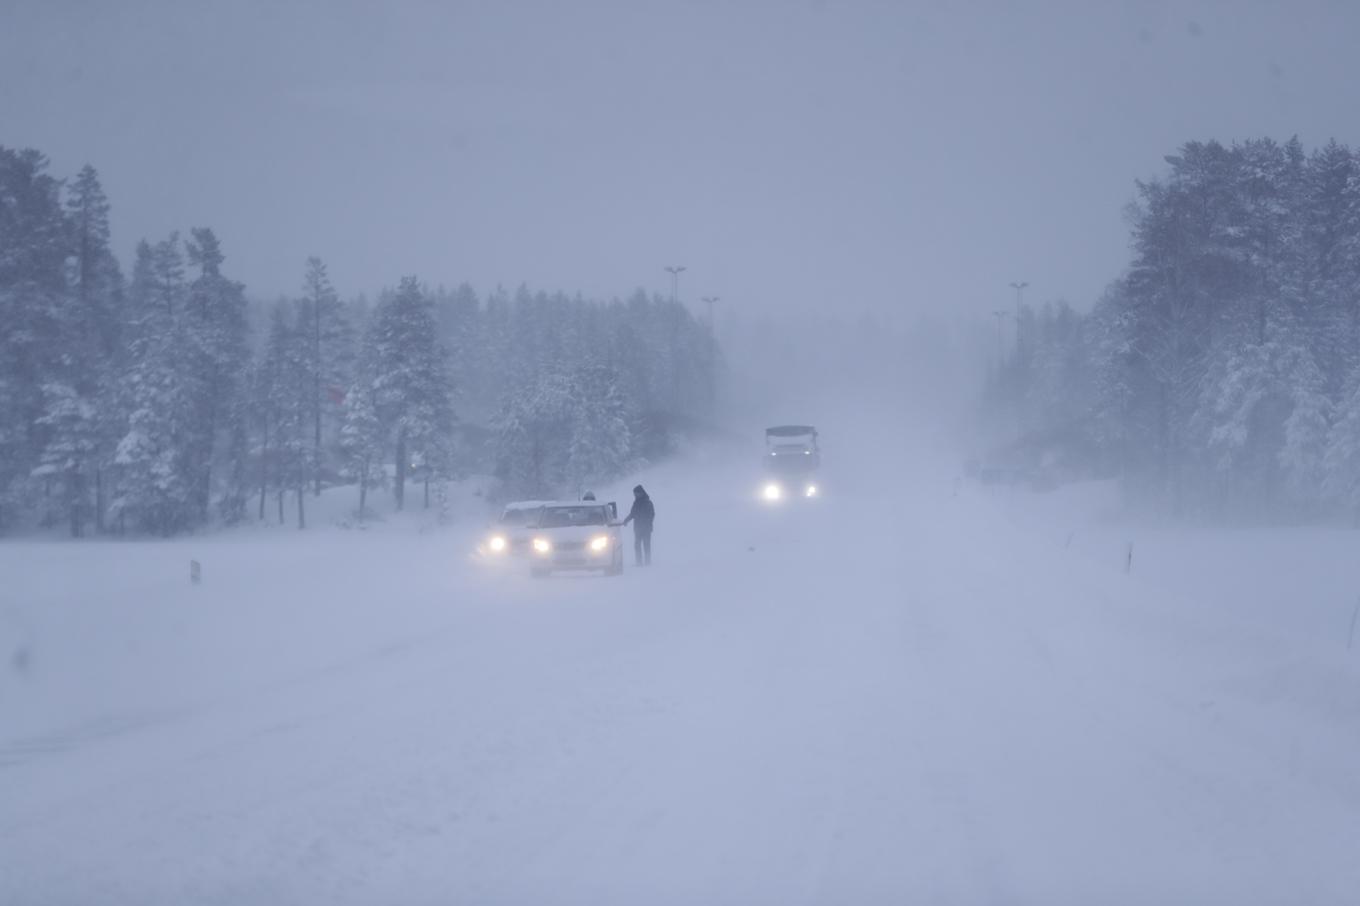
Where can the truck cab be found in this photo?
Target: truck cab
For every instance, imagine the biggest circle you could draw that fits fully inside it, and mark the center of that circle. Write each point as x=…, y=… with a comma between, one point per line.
x=792, y=457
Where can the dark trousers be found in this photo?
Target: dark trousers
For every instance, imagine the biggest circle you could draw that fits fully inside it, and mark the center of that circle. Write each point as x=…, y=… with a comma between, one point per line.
x=642, y=546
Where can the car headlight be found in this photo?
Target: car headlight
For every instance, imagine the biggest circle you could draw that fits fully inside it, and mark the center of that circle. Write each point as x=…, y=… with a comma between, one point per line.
x=497, y=543
x=772, y=491
x=542, y=545
x=811, y=490
x=600, y=543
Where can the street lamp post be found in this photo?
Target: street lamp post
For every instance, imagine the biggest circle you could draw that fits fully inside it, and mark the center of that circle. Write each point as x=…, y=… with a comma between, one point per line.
x=711, y=363
x=999, y=314
x=675, y=282
x=1019, y=287
x=675, y=273
x=709, y=300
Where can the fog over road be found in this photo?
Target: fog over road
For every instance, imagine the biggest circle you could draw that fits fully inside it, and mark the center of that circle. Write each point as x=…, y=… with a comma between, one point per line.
x=897, y=693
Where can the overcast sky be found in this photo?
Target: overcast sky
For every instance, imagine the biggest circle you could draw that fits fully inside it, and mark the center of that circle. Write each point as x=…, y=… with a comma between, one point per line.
x=893, y=156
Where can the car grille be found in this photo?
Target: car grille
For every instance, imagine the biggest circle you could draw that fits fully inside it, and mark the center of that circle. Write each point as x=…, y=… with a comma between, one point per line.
x=570, y=546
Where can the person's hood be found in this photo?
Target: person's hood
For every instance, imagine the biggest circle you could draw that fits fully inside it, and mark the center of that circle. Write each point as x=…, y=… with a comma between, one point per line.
x=639, y=493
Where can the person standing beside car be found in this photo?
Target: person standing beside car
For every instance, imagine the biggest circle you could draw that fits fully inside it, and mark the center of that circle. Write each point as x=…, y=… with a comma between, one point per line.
x=642, y=515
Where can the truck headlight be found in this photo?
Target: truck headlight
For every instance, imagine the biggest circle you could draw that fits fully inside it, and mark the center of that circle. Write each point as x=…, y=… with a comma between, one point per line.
x=599, y=544
x=772, y=491
x=542, y=545
x=497, y=543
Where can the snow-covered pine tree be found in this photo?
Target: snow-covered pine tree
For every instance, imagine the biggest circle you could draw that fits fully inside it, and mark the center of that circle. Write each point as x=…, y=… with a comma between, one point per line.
x=533, y=437
x=12, y=444
x=72, y=440
x=601, y=443
x=96, y=280
x=1341, y=461
x=361, y=440
x=262, y=425
x=97, y=290
x=495, y=352
x=411, y=387
x=1329, y=214
x=1345, y=299
x=1187, y=224
x=237, y=479
x=1119, y=415
x=328, y=356
x=153, y=487
x=458, y=316
x=283, y=407
x=1303, y=453
x=217, y=334
x=34, y=245
x=79, y=343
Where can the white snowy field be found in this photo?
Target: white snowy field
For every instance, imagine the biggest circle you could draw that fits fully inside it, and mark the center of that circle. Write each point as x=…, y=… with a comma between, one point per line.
x=898, y=694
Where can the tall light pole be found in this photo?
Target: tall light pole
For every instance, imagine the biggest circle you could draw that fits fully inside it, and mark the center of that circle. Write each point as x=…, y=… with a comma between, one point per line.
x=711, y=363
x=675, y=282
x=999, y=314
x=675, y=273
x=709, y=300
x=1019, y=287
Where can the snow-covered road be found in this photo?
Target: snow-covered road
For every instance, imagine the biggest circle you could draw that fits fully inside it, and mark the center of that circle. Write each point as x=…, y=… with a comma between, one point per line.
x=898, y=695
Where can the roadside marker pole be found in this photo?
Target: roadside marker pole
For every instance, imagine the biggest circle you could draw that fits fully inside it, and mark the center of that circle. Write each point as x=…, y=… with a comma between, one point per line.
x=1128, y=560
x=195, y=572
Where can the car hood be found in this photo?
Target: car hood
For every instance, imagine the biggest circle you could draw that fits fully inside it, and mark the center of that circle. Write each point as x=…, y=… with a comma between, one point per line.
x=572, y=532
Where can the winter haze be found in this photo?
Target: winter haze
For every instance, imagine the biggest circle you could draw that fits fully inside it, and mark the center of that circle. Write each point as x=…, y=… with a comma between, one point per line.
x=811, y=452
x=898, y=157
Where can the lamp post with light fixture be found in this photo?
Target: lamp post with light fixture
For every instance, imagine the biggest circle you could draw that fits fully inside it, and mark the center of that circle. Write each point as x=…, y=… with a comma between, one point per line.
x=675, y=272
x=1019, y=287
x=1000, y=355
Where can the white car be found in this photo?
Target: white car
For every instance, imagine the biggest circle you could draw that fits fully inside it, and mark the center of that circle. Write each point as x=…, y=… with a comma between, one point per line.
x=509, y=537
x=580, y=535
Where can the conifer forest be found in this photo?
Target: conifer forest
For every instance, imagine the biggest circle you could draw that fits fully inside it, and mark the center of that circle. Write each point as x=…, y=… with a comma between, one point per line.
x=1219, y=376
x=161, y=398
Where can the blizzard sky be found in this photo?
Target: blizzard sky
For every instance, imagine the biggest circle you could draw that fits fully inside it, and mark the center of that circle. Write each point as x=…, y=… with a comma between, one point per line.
x=888, y=156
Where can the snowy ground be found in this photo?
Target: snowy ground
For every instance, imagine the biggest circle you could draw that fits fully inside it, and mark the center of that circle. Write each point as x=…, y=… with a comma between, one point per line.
x=902, y=694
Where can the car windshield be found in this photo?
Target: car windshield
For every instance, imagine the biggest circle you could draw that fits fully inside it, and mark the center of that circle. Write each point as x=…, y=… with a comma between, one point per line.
x=516, y=517
x=563, y=516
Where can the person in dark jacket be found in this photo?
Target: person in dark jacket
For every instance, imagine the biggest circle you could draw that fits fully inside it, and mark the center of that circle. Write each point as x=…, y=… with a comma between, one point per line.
x=642, y=515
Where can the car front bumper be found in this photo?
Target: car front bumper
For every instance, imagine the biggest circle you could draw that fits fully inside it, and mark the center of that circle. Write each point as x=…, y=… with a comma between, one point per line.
x=573, y=555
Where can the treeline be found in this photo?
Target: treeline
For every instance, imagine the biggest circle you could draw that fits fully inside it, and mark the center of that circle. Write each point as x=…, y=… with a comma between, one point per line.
x=165, y=400
x=1220, y=375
